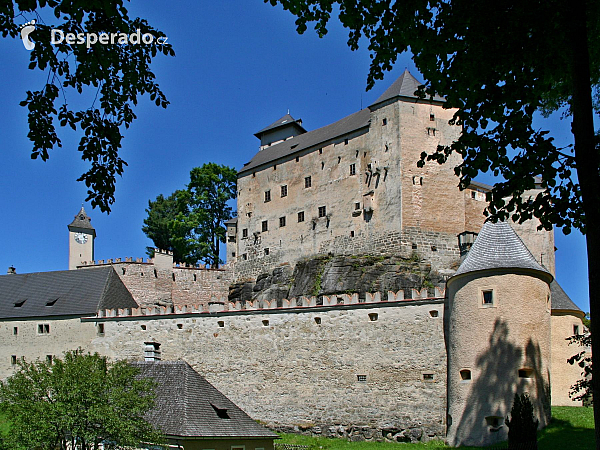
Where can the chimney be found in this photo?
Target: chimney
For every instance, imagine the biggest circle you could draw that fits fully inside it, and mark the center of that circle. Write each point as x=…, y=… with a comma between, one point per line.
x=152, y=351
x=11, y=271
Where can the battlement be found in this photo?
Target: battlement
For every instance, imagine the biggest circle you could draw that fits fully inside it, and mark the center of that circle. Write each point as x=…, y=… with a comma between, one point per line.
x=223, y=305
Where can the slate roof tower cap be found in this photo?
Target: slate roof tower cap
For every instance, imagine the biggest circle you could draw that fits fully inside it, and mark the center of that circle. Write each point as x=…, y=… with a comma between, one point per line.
x=498, y=247
x=82, y=220
x=404, y=86
x=284, y=121
x=561, y=301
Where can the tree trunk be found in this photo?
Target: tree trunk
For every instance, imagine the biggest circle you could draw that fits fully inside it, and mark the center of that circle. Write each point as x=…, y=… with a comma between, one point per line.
x=588, y=164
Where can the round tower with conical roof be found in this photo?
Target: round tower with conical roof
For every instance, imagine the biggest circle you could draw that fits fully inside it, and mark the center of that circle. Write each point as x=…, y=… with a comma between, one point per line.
x=81, y=240
x=497, y=337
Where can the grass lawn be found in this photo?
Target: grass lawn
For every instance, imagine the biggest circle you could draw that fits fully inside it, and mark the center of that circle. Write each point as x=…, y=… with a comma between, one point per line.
x=571, y=428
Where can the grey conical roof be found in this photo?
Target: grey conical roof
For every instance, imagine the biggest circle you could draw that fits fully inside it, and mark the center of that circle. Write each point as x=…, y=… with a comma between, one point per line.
x=404, y=86
x=560, y=299
x=498, y=247
x=81, y=220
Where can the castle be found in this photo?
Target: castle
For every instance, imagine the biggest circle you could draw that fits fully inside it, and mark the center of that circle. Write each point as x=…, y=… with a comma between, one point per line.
x=368, y=298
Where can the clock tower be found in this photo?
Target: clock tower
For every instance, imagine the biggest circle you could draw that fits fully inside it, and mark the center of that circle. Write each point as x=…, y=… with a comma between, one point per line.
x=81, y=240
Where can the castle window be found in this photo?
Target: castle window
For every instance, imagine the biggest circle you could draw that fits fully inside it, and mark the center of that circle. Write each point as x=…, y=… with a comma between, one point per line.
x=384, y=122
x=100, y=329
x=465, y=375
x=221, y=323
x=320, y=151
x=275, y=167
x=339, y=159
x=434, y=313
x=361, y=378
x=43, y=328
x=179, y=326
x=487, y=297
x=431, y=117
x=352, y=169
x=123, y=270
x=433, y=248
x=232, y=254
x=196, y=278
x=352, y=233
x=301, y=216
x=322, y=211
x=244, y=233
x=473, y=194
x=245, y=256
x=430, y=131
x=284, y=190
x=318, y=320
x=297, y=158
x=322, y=165
x=282, y=221
x=231, y=239
x=143, y=327
x=253, y=174
x=494, y=422
x=414, y=246
x=427, y=377
x=13, y=360
x=267, y=251
x=49, y=359
x=173, y=276
x=15, y=331
x=155, y=274
x=265, y=323
x=307, y=182
x=265, y=225
x=345, y=141
x=373, y=317
x=267, y=196
x=525, y=373
x=575, y=329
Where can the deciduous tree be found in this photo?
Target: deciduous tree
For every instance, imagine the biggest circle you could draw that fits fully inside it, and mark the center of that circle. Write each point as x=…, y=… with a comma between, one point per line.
x=77, y=402
x=118, y=73
x=499, y=63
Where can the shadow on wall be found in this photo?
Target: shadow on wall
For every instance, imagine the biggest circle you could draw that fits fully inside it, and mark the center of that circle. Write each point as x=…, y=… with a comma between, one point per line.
x=500, y=376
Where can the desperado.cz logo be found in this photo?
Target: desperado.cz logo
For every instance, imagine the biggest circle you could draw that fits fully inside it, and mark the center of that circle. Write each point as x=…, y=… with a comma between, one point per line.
x=89, y=39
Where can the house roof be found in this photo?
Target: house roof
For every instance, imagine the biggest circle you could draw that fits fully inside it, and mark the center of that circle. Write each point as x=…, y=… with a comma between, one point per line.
x=63, y=293
x=189, y=406
x=82, y=220
x=405, y=86
x=284, y=121
x=231, y=221
x=560, y=299
x=497, y=246
x=477, y=184
x=309, y=139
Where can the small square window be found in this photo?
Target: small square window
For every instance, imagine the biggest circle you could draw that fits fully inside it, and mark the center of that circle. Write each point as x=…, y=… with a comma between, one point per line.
x=431, y=117
x=488, y=297
x=265, y=323
x=322, y=211
x=465, y=375
x=525, y=373
x=13, y=360
x=361, y=378
x=49, y=359
x=245, y=233
x=100, y=329
x=575, y=329
x=282, y=221
x=245, y=256
x=307, y=182
x=352, y=169
x=267, y=196
x=221, y=324
x=265, y=225
x=356, y=206
x=318, y=320
x=352, y=233
x=301, y=216
x=284, y=190
x=143, y=327
x=473, y=195
x=427, y=377
x=384, y=122
x=267, y=251
x=43, y=328
x=373, y=317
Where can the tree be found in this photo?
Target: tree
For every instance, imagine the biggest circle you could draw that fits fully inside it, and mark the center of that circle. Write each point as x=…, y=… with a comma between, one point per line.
x=77, y=403
x=522, y=425
x=118, y=73
x=498, y=63
x=190, y=222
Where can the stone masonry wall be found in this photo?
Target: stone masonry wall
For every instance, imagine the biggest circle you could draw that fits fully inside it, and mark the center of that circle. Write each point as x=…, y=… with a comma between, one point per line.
x=361, y=370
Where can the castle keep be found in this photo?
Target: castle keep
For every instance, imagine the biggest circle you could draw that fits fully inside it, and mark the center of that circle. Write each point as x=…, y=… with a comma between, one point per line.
x=363, y=297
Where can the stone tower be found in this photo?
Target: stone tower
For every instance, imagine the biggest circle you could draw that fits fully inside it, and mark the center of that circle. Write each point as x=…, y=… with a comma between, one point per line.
x=497, y=337
x=81, y=240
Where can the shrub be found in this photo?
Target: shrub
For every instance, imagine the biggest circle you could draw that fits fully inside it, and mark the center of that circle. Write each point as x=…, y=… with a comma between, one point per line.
x=522, y=425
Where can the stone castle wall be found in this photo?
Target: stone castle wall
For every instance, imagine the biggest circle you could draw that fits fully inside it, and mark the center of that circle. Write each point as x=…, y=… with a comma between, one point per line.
x=345, y=368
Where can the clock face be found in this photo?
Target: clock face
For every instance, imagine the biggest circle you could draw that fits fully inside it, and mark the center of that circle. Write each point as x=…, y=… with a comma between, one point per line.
x=81, y=238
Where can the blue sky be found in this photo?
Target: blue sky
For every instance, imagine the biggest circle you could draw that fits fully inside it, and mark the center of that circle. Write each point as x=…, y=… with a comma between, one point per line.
x=239, y=66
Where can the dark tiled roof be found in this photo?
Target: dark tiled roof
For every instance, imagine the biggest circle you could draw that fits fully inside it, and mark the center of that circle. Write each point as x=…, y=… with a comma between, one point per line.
x=187, y=404
x=301, y=142
x=81, y=220
x=477, y=184
x=285, y=120
x=63, y=293
x=233, y=220
x=560, y=299
x=498, y=247
x=405, y=86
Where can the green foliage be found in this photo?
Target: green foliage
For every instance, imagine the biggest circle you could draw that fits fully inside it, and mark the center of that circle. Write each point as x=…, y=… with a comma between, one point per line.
x=522, y=425
x=189, y=222
x=118, y=74
x=77, y=402
x=582, y=389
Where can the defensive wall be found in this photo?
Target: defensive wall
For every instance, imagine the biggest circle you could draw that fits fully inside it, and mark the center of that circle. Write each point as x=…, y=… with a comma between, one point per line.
x=337, y=365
